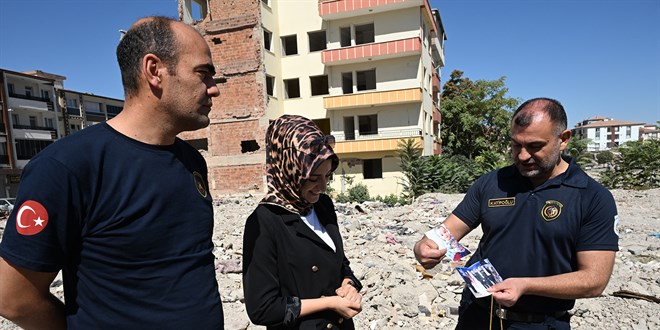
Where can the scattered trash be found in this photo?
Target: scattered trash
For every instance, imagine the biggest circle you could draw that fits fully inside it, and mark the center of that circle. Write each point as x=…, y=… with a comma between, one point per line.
x=635, y=295
x=655, y=234
x=390, y=239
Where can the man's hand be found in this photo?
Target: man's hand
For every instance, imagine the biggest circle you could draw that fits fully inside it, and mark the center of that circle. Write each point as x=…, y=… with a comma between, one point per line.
x=507, y=292
x=427, y=252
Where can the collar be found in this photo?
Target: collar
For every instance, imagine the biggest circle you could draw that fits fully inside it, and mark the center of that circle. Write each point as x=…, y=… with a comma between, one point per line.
x=573, y=177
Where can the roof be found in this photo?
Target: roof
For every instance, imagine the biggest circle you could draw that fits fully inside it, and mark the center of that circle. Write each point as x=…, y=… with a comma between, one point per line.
x=610, y=123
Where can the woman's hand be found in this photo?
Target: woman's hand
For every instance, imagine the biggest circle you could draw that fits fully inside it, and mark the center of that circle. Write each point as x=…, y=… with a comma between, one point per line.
x=345, y=307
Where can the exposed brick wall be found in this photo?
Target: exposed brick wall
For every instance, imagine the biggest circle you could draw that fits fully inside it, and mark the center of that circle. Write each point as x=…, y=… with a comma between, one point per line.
x=227, y=137
x=233, y=179
x=233, y=32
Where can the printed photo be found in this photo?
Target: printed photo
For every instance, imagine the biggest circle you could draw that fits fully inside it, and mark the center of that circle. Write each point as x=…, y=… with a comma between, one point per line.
x=479, y=277
x=441, y=236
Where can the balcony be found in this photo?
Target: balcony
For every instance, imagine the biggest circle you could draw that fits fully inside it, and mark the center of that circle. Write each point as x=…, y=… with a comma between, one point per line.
x=34, y=127
x=372, y=51
x=369, y=99
x=18, y=101
x=379, y=141
x=435, y=82
x=438, y=52
x=73, y=111
x=339, y=9
x=436, y=115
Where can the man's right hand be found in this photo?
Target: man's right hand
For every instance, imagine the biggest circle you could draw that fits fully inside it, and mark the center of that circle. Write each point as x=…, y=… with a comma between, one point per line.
x=427, y=252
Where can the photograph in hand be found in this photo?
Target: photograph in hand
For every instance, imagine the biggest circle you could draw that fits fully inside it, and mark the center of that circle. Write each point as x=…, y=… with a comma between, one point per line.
x=479, y=277
x=441, y=236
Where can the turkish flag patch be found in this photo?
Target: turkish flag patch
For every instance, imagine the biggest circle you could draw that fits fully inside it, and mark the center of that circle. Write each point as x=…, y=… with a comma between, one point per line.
x=31, y=218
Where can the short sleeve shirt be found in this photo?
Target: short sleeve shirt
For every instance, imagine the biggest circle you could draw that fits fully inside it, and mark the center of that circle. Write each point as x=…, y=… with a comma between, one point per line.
x=534, y=232
x=130, y=226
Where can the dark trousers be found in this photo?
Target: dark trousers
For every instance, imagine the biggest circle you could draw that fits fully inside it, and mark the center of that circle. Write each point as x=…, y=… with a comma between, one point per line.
x=474, y=317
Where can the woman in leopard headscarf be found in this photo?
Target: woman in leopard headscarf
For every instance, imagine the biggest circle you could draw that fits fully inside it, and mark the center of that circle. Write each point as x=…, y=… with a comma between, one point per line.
x=295, y=273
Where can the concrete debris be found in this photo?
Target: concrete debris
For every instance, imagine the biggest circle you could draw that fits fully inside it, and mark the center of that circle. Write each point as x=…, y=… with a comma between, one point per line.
x=400, y=294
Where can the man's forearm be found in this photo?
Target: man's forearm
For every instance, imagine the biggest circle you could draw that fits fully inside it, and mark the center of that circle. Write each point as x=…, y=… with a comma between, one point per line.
x=47, y=313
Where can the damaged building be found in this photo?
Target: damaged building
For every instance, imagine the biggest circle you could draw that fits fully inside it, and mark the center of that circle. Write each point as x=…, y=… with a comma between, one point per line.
x=367, y=72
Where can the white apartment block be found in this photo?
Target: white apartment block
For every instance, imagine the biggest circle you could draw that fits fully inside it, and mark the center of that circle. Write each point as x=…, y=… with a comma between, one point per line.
x=367, y=72
x=32, y=117
x=607, y=133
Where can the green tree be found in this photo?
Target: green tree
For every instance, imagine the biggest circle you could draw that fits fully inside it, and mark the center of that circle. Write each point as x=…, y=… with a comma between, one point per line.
x=412, y=167
x=638, y=167
x=475, y=116
x=605, y=157
x=577, y=149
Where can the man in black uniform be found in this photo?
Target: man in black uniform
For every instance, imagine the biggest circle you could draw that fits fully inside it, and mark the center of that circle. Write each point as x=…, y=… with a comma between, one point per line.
x=549, y=229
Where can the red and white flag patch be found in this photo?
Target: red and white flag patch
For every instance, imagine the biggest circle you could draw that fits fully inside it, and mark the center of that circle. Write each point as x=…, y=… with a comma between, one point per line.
x=31, y=218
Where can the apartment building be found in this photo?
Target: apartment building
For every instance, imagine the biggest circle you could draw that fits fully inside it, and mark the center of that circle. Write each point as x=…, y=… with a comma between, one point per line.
x=606, y=133
x=367, y=72
x=649, y=132
x=35, y=113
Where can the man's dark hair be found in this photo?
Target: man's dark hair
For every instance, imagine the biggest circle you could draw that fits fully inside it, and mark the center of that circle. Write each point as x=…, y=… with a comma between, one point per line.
x=153, y=36
x=551, y=107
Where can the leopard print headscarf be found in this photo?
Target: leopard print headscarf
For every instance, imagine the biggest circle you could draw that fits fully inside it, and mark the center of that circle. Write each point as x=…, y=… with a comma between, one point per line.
x=289, y=162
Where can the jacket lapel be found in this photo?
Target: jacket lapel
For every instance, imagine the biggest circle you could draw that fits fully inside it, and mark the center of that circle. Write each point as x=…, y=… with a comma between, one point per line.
x=295, y=222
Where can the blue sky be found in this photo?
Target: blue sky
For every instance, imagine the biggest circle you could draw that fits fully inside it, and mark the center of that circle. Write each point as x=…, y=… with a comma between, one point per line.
x=598, y=57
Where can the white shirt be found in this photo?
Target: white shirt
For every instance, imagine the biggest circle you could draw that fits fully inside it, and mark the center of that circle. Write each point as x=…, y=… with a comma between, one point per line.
x=312, y=221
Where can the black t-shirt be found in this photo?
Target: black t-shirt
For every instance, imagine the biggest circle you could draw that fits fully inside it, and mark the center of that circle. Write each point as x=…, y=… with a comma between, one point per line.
x=130, y=225
x=534, y=232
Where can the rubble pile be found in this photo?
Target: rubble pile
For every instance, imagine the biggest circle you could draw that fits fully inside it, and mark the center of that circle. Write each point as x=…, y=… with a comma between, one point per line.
x=378, y=241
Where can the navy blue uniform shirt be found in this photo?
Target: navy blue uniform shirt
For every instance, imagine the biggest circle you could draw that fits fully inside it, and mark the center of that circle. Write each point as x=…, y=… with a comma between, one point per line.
x=534, y=232
x=129, y=224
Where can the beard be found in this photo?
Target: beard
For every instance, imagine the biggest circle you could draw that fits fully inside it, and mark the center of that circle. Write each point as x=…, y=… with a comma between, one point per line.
x=543, y=166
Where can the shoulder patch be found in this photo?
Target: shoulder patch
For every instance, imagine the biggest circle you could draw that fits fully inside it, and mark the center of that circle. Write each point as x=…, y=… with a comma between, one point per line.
x=499, y=202
x=199, y=184
x=551, y=210
x=31, y=218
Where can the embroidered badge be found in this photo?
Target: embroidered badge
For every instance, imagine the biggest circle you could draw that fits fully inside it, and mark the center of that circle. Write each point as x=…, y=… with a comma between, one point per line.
x=616, y=225
x=551, y=210
x=499, y=202
x=199, y=184
x=31, y=218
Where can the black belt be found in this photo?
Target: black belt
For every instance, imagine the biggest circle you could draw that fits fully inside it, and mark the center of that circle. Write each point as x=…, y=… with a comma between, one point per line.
x=509, y=315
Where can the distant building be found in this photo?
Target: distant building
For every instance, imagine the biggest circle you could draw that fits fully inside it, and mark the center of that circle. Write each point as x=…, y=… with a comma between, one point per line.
x=35, y=112
x=649, y=132
x=367, y=72
x=606, y=133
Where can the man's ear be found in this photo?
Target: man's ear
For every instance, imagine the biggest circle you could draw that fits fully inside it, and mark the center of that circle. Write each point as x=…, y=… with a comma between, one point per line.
x=564, y=136
x=152, y=69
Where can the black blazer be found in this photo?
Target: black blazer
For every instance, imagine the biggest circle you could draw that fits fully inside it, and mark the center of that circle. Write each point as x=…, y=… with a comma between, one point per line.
x=283, y=258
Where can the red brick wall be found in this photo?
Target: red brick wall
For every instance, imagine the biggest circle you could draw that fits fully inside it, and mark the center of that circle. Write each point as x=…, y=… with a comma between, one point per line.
x=233, y=32
x=233, y=179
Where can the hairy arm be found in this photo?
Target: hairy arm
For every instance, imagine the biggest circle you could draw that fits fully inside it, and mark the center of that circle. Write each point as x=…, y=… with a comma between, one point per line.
x=25, y=298
x=427, y=252
x=591, y=278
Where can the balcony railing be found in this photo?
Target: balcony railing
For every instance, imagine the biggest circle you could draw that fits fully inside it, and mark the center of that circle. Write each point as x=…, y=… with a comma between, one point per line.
x=342, y=136
x=338, y=9
x=376, y=98
x=35, y=127
x=73, y=111
x=367, y=52
x=29, y=97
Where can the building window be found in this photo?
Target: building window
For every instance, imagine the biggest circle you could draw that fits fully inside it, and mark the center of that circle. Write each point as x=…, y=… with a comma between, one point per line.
x=597, y=133
x=48, y=122
x=349, y=128
x=71, y=103
x=28, y=91
x=266, y=2
x=33, y=121
x=366, y=80
x=364, y=34
x=628, y=132
x=113, y=109
x=291, y=88
x=319, y=85
x=10, y=87
x=93, y=107
x=347, y=82
x=194, y=10
x=345, y=37
x=268, y=40
x=26, y=149
x=317, y=41
x=15, y=119
x=45, y=95
x=289, y=45
x=368, y=125
x=270, y=85
x=372, y=168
